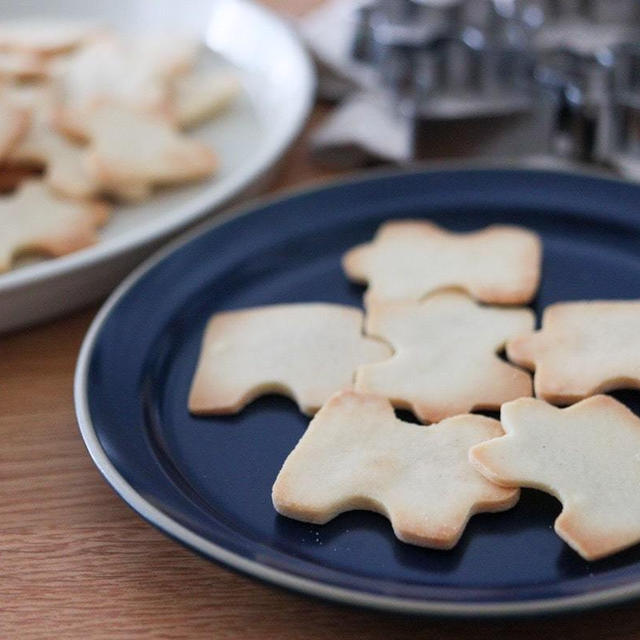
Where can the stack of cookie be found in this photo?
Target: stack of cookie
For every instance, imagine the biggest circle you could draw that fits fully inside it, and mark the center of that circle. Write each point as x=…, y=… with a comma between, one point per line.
x=440, y=308
x=100, y=116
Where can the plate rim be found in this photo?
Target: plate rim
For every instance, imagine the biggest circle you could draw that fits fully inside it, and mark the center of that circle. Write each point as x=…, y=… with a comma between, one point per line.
x=194, y=209
x=174, y=530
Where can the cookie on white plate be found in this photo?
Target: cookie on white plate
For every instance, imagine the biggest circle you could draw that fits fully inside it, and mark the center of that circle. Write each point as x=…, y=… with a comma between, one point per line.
x=587, y=455
x=107, y=71
x=45, y=36
x=306, y=351
x=14, y=122
x=445, y=360
x=356, y=454
x=201, y=95
x=583, y=348
x=43, y=146
x=35, y=219
x=20, y=66
x=133, y=72
x=409, y=259
x=129, y=147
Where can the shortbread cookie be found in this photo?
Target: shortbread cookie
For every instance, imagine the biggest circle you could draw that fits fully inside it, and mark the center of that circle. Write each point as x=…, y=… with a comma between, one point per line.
x=107, y=71
x=134, y=72
x=130, y=147
x=34, y=219
x=166, y=54
x=357, y=455
x=20, y=66
x=409, y=259
x=45, y=35
x=583, y=348
x=305, y=351
x=14, y=122
x=43, y=146
x=587, y=455
x=445, y=359
x=202, y=95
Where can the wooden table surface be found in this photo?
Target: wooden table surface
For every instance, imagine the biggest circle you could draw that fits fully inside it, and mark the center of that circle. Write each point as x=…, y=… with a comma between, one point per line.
x=77, y=562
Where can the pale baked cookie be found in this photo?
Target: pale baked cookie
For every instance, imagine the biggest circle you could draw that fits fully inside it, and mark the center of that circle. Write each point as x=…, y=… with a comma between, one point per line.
x=445, y=359
x=130, y=147
x=201, y=95
x=14, y=122
x=107, y=71
x=17, y=65
x=409, y=259
x=583, y=348
x=35, y=219
x=306, y=351
x=587, y=455
x=356, y=454
x=166, y=54
x=135, y=73
x=43, y=146
x=45, y=35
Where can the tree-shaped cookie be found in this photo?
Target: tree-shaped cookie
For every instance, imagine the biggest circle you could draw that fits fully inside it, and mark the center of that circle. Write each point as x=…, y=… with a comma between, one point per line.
x=587, y=455
x=445, y=359
x=35, y=219
x=409, y=259
x=583, y=348
x=356, y=454
x=305, y=351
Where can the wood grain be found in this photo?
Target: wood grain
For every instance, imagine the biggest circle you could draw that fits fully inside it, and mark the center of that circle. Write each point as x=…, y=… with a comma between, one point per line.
x=76, y=562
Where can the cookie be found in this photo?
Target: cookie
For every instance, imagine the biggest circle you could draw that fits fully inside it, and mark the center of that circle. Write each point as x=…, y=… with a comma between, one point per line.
x=445, y=360
x=107, y=71
x=306, y=351
x=20, y=66
x=35, y=219
x=133, y=72
x=14, y=122
x=409, y=259
x=587, y=455
x=165, y=54
x=130, y=147
x=201, y=95
x=43, y=146
x=583, y=348
x=356, y=454
x=45, y=36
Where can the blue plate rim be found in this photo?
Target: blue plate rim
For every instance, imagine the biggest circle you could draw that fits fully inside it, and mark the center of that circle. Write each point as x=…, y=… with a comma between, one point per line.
x=212, y=551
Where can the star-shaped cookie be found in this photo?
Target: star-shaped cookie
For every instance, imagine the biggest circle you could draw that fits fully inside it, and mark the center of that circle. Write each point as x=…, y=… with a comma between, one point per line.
x=409, y=259
x=587, y=455
x=35, y=219
x=445, y=359
x=356, y=454
x=305, y=351
x=583, y=348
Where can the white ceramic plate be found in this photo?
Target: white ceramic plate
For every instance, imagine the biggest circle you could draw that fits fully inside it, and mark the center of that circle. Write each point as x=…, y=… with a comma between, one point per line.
x=278, y=85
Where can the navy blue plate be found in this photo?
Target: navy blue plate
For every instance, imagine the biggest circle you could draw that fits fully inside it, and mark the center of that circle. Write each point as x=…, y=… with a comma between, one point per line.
x=207, y=481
